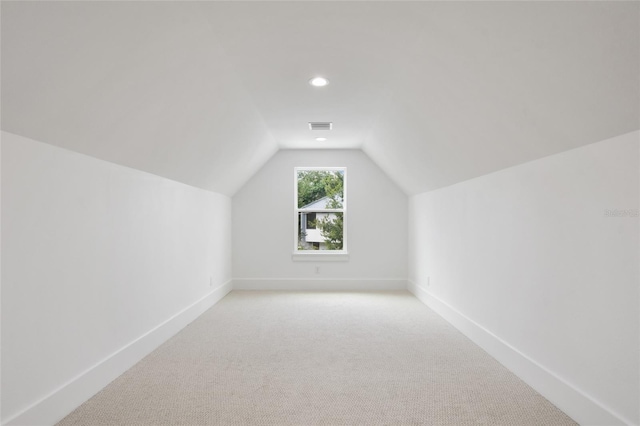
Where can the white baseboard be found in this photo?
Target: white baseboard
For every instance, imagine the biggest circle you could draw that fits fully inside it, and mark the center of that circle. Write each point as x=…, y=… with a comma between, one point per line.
x=574, y=402
x=55, y=406
x=318, y=284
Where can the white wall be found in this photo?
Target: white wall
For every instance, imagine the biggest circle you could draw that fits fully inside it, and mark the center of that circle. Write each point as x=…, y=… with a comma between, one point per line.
x=100, y=264
x=526, y=262
x=263, y=215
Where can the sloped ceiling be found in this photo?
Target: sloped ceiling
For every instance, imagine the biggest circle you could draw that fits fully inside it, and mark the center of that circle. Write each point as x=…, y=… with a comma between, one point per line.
x=142, y=84
x=434, y=92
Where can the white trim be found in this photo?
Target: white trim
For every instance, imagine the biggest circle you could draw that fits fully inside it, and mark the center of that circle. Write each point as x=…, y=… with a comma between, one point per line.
x=62, y=401
x=320, y=256
x=320, y=210
x=319, y=169
x=574, y=402
x=319, y=284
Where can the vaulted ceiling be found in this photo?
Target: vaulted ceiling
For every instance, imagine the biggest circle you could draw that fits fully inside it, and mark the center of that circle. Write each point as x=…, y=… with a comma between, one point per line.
x=434, y=92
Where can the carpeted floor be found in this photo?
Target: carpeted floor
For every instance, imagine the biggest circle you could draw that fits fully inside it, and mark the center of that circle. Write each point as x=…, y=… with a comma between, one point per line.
x=316, y=358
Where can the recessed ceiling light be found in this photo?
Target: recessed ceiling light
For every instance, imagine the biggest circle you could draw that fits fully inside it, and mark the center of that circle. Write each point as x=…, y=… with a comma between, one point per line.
x=318, y=81
x=321, y=139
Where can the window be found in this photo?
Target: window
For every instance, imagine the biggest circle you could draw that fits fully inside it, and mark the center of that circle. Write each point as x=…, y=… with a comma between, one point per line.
x=320, y=200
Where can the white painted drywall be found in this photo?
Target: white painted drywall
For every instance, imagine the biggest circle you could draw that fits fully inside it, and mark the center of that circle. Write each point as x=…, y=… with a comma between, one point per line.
x=530, y=255
x=159, y=94
x=263, y=215
x=94, y=255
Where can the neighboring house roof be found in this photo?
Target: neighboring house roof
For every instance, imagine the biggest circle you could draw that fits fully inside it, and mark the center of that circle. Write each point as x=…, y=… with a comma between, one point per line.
x=318, y=204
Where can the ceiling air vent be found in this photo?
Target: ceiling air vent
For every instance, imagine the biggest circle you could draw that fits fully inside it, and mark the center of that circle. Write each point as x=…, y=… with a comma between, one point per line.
x=320, y=125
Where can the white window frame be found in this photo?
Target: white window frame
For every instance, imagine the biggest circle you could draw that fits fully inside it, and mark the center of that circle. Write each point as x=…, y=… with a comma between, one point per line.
x=319, y=255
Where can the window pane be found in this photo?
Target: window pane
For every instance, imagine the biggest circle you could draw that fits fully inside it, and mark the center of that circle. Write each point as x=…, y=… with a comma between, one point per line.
x=327, y=234
x=311, y=220
x=320, y=189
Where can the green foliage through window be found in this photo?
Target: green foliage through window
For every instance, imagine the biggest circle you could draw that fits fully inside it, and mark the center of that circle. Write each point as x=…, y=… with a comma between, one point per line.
x=313, y=185
x=332, y=231
x=321, y=190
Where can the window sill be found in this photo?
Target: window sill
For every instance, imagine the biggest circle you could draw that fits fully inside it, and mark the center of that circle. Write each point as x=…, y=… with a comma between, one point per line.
x=341, y=256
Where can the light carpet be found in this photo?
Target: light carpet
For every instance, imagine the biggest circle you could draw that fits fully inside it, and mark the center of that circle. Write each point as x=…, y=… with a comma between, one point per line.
x=318, y=358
